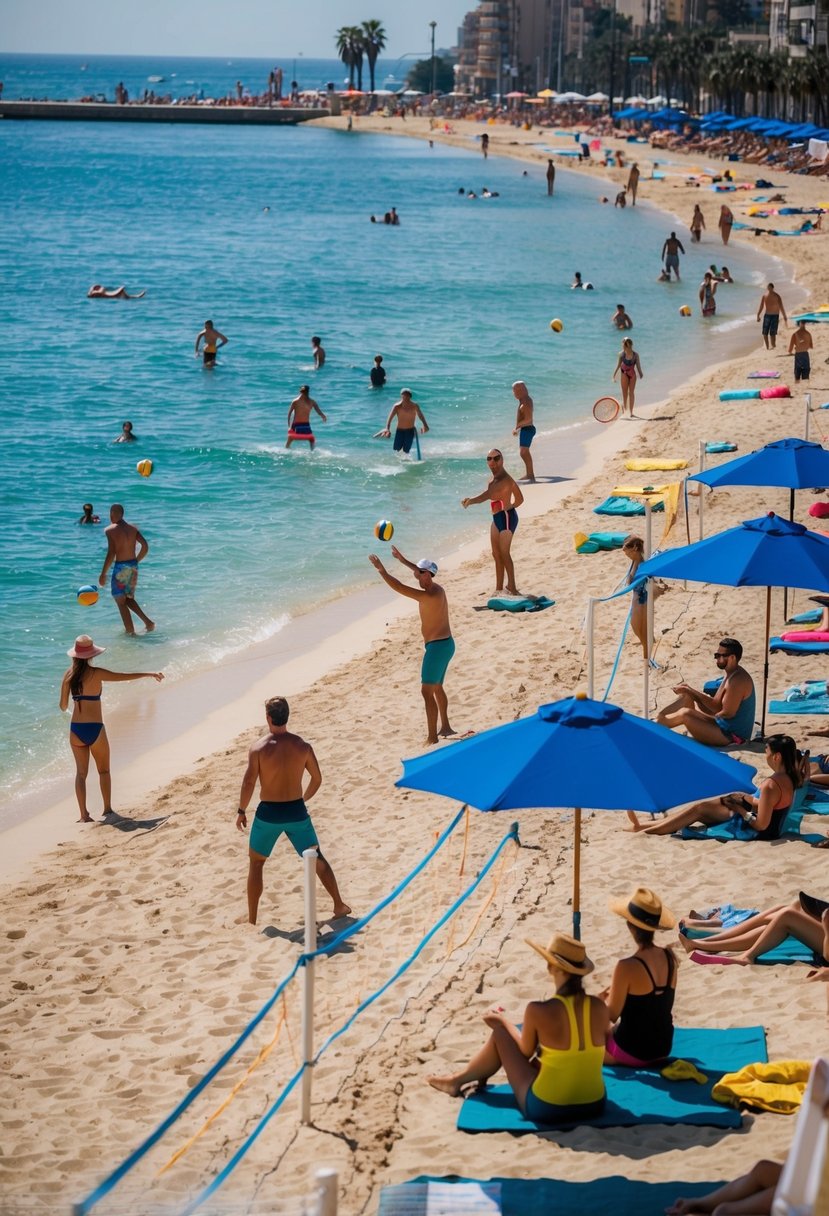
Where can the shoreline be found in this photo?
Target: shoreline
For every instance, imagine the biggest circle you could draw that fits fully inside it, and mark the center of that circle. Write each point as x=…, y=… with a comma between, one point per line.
x=148, y=736
x=129, y=972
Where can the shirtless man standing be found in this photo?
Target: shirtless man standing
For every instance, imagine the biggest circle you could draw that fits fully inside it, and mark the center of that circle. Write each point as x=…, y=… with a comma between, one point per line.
x=670, y=255
x=319, y=353
x=407, y=413
x=437, y=637
x=772, y=306
x=212, y=341
x=799, y=346
x=299, y=414
x=122, y=539
x=504, y=495
x=524, y=426
x=279, y=762
x=633, y=182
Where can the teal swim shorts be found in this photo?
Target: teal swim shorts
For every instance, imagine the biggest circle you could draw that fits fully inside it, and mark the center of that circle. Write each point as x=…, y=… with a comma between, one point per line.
x=436, y=659
x=274, y=818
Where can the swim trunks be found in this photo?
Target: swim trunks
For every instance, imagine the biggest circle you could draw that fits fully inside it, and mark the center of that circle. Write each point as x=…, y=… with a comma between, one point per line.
x=436, y=658
x=506, y=521
x=124, y=578
x=770, y=322
x=526, y=436
x=672, y=261
x=802, y=365
x=274, y=818
x=301, y=430
x=87, y=732
x=209, y=356
x=404, y=438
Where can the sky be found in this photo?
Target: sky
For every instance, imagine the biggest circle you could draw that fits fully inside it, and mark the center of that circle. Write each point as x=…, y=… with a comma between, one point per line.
x=242, y=28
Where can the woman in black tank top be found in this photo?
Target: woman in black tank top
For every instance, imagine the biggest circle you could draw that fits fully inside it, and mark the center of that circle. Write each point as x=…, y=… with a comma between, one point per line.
x=640, y=999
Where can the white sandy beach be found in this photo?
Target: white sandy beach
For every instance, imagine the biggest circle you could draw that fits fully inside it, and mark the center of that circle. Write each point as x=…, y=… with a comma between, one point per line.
x=126, y=974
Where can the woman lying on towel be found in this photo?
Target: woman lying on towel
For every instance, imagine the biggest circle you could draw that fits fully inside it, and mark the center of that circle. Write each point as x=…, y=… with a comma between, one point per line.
x=806, y=919
x=554, y=1062
x=640, y=999
x=765, y=813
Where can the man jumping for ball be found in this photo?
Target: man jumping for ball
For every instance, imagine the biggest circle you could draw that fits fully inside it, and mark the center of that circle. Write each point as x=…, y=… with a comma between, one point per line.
x=437, y=636
x=279, y=761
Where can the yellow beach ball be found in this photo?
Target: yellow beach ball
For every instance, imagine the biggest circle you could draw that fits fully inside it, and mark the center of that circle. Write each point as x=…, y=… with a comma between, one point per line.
x=87, y=595
x=556, y=326
x=144, y=468
x=685, y=311
x=384, y=529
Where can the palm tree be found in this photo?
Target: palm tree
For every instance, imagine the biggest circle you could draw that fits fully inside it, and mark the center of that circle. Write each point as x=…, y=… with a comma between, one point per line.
x=374, y=40
x=349, y=48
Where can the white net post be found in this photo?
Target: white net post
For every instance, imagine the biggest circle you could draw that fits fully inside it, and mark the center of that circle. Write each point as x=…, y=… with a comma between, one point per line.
x=325, y=1184
x=309, y=863
x=649, y=611
x=701, y=487
x=591, y=660
x=807, y=397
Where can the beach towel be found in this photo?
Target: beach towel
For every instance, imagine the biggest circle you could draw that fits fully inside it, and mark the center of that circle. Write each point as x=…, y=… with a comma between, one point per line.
x=789, y=951
x=776, y=644
x=778, y=1086
x=812, y=316
x=598, y=542
x=737, y=829
x=617, y=504
x=534, y=1196
x=776, y=390
x=763, y=376
x=637, y=1096
x=655, y=464
x=739, y=394
x=810, y=697
x=811, y=616
x=714, y=447
x=522, y=603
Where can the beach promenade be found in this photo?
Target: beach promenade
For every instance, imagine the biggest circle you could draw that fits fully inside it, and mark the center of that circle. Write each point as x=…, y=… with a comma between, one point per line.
x=126, y=973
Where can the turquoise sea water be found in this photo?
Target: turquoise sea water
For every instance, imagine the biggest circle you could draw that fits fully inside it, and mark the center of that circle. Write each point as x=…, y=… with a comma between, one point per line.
x=242, y=533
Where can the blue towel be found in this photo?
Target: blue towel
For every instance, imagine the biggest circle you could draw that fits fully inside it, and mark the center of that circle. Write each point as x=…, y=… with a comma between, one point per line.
x=789, y=951
x=617, y=505
x=637, y=1096
x=524, y=603
x=811, y=697
x=542, y=1196
x=713, y=448
x=798, y=647
x=806, y=618
x=738, y=829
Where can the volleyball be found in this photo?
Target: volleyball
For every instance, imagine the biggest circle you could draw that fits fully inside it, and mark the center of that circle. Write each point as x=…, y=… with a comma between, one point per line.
x=87, y=595
x=144, y=467
x=685, y=311
x=556, y=325
x=384, y=529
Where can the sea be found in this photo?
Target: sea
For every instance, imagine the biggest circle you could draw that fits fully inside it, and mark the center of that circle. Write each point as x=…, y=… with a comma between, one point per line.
x=267, y=232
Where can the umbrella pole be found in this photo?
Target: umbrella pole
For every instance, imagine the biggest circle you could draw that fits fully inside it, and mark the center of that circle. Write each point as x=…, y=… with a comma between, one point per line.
x=648, y=614
x=577, y=875
x=766, y=664
x=591, y=662
x=786, y=589
x=701, y=499
x=808, y=399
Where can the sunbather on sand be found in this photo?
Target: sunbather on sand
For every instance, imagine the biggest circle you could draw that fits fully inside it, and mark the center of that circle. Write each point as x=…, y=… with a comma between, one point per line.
x=765, y=813
x=768, y=929
x=641, y=995
x=554, y=1062
x=749, y=1195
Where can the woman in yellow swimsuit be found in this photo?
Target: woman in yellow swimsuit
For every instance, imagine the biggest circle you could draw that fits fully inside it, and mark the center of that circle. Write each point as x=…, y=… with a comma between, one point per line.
x=554, y=1062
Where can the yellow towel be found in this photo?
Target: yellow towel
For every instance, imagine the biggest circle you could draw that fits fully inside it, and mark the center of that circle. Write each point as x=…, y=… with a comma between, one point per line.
x=657, y=462
x=684, y=1070
x=778, y=1086
x=648, y=491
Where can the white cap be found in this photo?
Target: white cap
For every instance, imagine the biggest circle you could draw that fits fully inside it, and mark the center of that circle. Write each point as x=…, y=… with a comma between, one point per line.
x=426, y=563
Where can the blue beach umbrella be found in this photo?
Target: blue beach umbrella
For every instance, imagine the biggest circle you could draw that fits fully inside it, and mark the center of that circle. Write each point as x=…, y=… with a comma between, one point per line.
x=576, y=753
x=766, y=552
x=794, y=464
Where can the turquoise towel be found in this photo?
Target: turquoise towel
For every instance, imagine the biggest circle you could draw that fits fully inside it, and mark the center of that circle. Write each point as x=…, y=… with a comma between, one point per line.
x=811, y=697
x=514, y=603
x=616, y=505
x=637, y=1096
x=806, y=618
x=739, y=394
x=798, y=647
x=713, y=448
x=789, y=951
x=542, y=1196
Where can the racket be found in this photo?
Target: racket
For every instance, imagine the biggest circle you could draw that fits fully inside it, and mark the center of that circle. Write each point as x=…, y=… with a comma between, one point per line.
x=606, y=409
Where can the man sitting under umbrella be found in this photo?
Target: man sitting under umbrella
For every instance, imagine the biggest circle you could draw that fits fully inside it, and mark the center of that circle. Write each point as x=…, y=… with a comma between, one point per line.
x=727, y=717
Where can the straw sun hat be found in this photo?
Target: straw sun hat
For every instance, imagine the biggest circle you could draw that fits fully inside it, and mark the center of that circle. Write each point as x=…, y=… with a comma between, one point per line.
x=644, y=909
x=564, y=952
x=85, y=648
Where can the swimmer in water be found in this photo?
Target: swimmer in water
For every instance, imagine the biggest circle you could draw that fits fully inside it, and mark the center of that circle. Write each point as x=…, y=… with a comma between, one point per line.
x=126, y=435
x=407, y=413
x=504, y=495
x=212, y=341
x=89, y=516
x=319, y=353
x=377, y=375
x=99, y=292
x=299, y=417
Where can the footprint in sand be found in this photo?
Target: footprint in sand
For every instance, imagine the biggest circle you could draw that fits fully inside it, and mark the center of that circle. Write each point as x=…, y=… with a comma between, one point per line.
x=16, y=934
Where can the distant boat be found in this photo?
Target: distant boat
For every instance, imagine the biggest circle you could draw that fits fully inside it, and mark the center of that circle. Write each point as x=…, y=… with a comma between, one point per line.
x=156, y=79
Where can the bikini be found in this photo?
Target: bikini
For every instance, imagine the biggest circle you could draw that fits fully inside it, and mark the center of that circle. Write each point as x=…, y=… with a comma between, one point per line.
x=87, y=732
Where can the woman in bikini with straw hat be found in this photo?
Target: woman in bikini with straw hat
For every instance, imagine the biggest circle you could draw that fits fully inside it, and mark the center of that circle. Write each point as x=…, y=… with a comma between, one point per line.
x=554, y=1062
x=87, y=734
x=640, y=999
